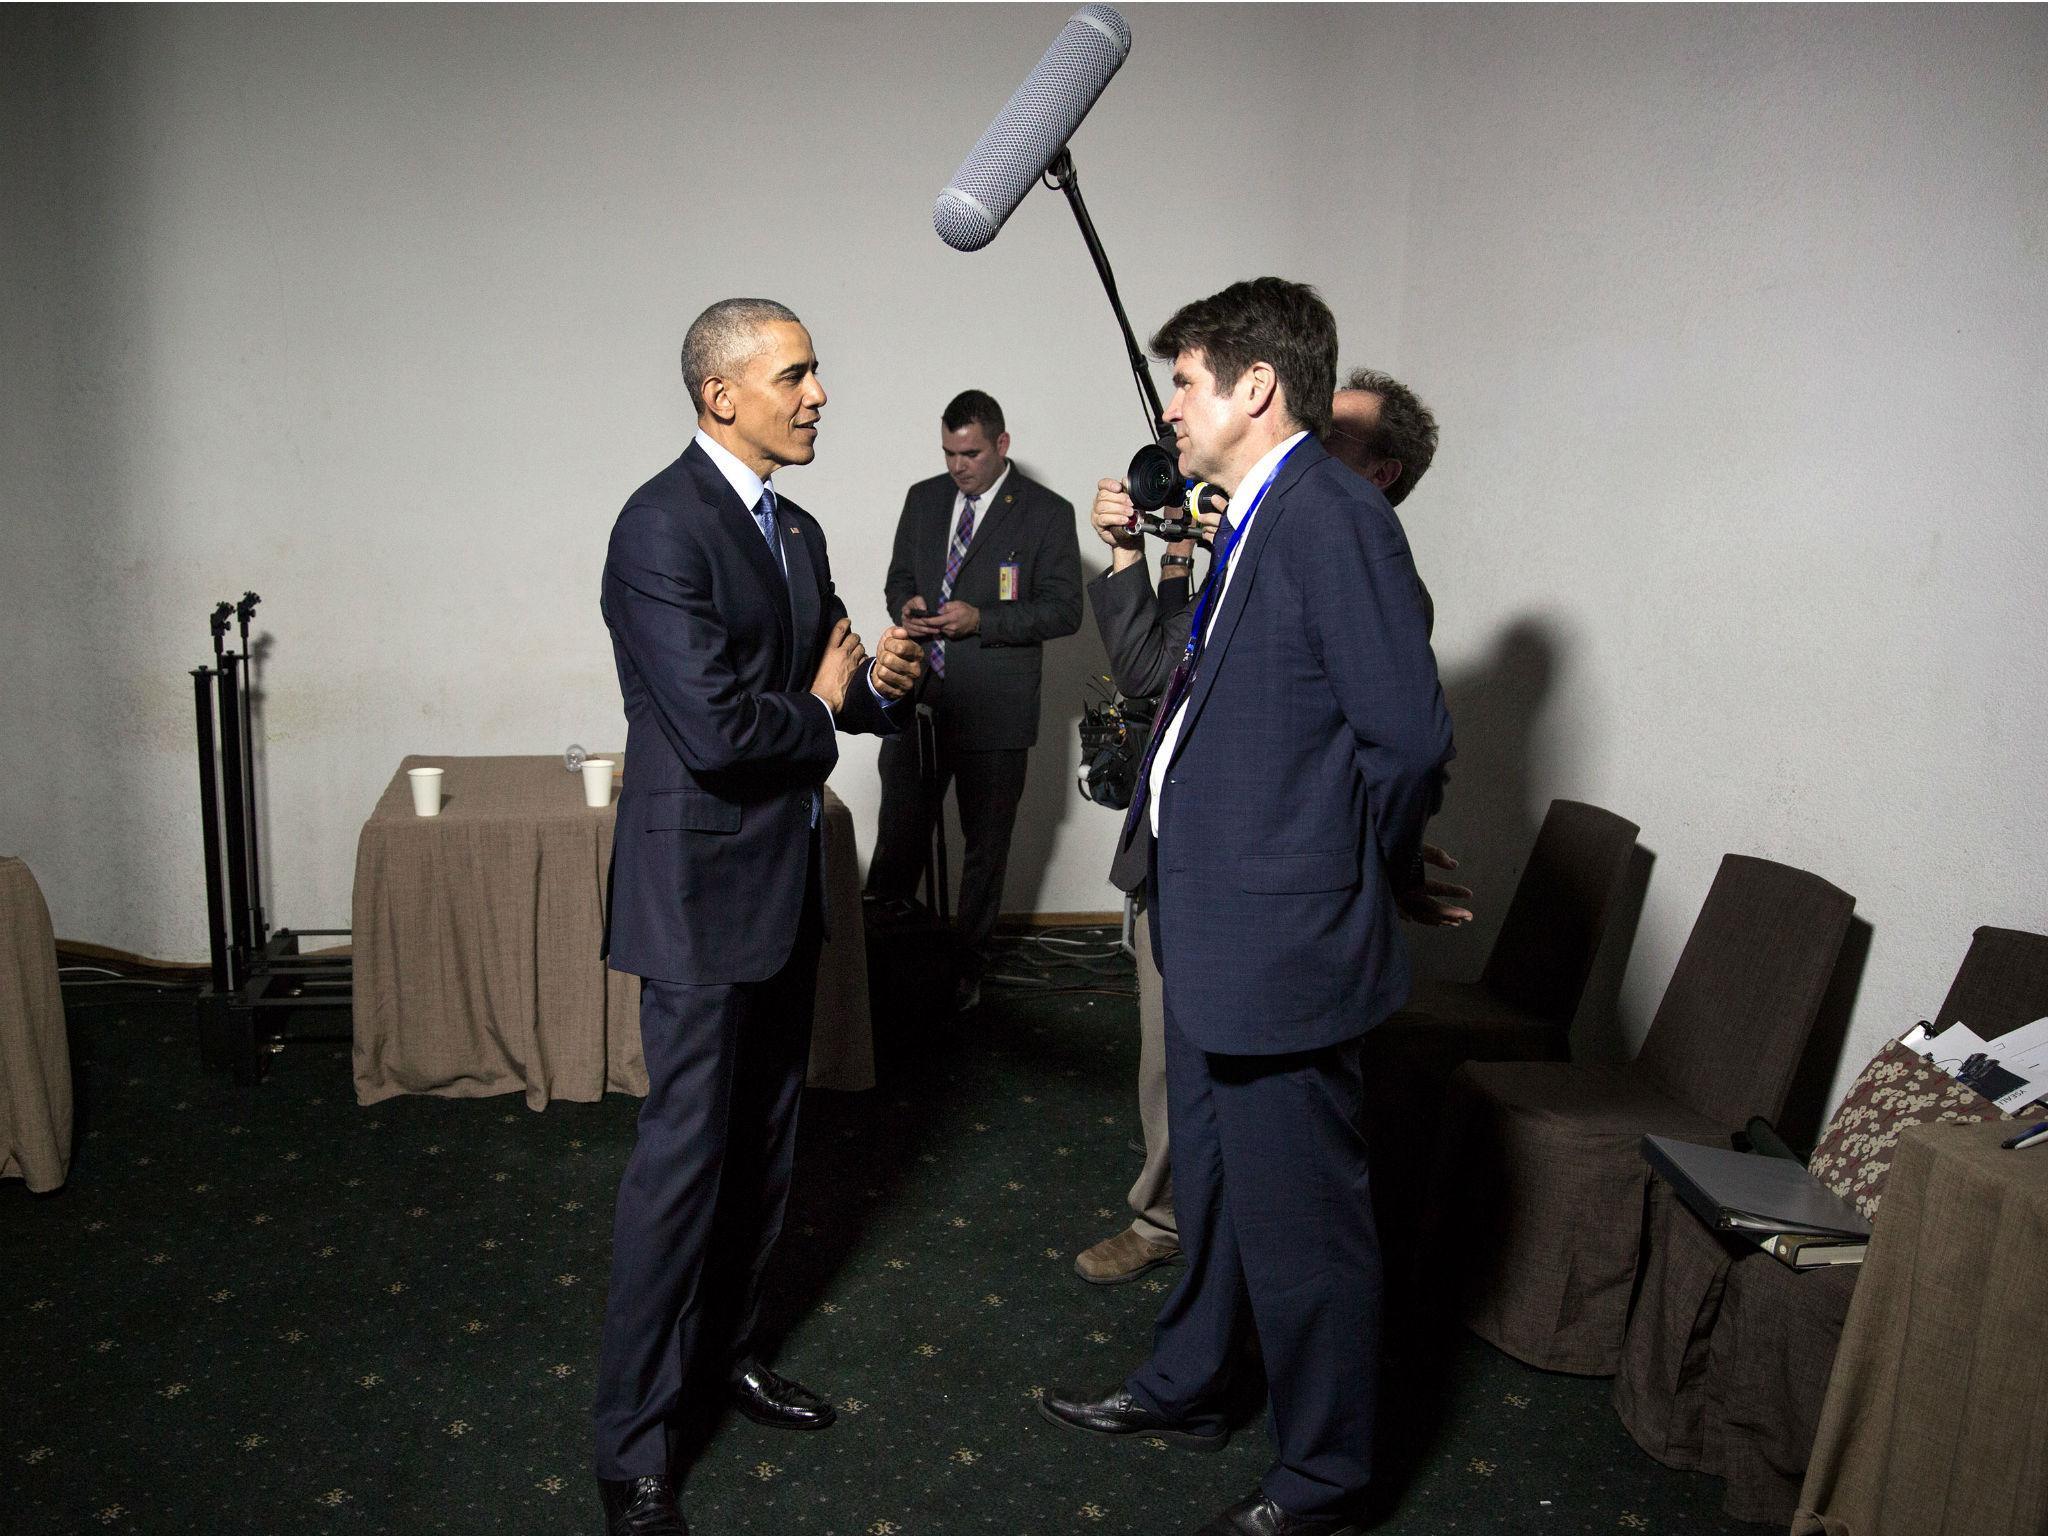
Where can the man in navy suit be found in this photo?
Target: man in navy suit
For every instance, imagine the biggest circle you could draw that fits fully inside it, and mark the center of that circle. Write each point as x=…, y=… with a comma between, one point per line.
x=1277, y=823
x=1379, y=429
x=737, y=664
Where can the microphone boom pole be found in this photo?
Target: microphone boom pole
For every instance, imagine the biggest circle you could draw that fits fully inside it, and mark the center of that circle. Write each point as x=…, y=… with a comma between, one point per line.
x=1060, y=174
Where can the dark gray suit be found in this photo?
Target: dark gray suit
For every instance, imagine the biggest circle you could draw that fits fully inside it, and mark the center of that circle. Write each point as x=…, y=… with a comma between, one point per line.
x=985, y=708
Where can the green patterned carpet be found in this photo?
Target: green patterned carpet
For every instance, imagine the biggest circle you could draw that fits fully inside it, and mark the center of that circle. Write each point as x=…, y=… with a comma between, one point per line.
x=269, y=1310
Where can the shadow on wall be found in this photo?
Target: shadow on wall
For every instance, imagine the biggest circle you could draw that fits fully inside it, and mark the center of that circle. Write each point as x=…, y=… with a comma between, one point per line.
x=1489, y=818
x=1492, y=812
x=1599, y=1033
x=1807, y=1101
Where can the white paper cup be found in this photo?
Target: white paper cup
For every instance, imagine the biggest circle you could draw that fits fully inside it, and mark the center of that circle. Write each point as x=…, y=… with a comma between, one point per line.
x=597, y=781
x=426, y=790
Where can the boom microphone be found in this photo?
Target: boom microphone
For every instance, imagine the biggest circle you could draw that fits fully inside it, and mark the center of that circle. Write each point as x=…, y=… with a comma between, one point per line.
x=1032, y=129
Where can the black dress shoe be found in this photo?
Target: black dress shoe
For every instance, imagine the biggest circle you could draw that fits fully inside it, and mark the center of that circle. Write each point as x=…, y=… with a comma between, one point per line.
x=778, y=1402
x=1257, y=1515
x=641, y=1506
x=1121, y=1414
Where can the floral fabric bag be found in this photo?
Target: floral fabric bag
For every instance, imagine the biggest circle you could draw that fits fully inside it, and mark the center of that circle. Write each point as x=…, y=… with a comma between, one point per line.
x=1899, y=1088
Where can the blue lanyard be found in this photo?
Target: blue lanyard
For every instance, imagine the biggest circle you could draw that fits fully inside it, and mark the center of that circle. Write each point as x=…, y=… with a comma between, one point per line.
x=1222, y=567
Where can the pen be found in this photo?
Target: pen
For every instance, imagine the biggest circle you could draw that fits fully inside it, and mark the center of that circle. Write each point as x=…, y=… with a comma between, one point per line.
x=2033, y=1133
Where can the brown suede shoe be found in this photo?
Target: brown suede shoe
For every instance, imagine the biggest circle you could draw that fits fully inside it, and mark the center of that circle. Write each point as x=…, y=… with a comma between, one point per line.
x=1120, y=1259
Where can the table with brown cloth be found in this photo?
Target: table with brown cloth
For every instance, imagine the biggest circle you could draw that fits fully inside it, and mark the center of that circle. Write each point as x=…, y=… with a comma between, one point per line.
x=1933, y=1420
x=477, y=934
x=1717, y=1371
x=35, y=1056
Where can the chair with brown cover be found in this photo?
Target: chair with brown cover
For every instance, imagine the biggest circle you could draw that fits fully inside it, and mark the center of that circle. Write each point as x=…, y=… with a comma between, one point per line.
x=1537, y=1193
x=1726, y=1358
x=1520, y=1008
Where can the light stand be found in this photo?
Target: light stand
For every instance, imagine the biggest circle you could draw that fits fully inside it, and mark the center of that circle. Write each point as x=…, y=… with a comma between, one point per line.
x=256, y=980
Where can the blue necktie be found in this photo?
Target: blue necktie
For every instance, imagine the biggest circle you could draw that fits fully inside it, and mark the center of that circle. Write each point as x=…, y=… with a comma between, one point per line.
x=764, y=519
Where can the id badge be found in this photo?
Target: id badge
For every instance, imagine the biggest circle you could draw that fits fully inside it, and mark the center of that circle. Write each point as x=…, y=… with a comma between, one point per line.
x=1007, y=576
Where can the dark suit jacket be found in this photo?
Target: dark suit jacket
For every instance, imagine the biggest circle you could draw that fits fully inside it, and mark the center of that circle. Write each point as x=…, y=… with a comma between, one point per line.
x=1142, y=633
x=989, y=695
x=1314, y=737
x=725, y=744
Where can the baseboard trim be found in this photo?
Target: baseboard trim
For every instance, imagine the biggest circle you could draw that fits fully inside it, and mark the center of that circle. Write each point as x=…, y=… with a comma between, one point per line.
x=1025, y=922
x=78, y=952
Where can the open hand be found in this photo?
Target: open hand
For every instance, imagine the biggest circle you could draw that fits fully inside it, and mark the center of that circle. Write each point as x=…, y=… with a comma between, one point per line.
x=1435, y=903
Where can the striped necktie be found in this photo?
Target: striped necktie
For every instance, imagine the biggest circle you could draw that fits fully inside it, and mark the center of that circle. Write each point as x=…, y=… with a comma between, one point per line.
x=956, y=552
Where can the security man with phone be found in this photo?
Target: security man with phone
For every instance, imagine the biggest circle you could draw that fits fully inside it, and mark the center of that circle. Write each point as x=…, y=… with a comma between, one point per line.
x=986, y=569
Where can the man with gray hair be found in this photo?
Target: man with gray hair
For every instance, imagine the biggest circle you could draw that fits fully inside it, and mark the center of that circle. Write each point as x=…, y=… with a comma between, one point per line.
x=738, y=666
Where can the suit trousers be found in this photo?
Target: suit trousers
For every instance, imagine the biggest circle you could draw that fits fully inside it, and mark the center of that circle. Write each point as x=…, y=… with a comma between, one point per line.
x=702, y=1199
x=989, y=787
x=1275, y=1210
x=1151, y=1197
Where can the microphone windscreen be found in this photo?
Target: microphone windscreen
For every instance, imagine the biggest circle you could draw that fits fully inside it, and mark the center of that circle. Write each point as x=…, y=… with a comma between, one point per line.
x=1033, y=127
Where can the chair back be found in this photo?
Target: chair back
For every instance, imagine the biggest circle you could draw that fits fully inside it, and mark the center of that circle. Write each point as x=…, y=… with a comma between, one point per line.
x=2002, y=983
x=1546, y=944
x=1733, y=1023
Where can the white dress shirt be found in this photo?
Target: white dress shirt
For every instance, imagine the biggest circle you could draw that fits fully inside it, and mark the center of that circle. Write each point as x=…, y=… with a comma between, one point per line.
x=1241, y=513
x=982, y=503
x=748, y=487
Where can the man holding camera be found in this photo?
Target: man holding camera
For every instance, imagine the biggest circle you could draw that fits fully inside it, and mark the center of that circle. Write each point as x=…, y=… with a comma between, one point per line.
x=986, y=569
x=1278, y=817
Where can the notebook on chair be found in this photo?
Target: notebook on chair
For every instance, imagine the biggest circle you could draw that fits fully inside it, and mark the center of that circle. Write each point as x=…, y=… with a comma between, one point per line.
x=1772, y=1201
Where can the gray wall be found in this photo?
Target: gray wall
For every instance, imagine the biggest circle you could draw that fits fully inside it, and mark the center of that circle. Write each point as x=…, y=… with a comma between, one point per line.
x=1734, y=319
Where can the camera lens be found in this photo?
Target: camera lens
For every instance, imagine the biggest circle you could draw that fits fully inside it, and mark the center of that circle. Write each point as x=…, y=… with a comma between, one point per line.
x=1154, y=479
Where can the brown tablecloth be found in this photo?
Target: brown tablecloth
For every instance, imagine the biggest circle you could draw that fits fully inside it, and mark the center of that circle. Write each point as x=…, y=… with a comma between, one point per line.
x=35, y=1057
x=476, y=944
x=1725, y=1363
x=1933, y=1419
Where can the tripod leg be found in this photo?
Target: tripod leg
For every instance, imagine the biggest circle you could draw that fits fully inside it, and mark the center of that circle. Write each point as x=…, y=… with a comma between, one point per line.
x=236, y=817
x=209, y=824
x=259, y=930
x=935, y=875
